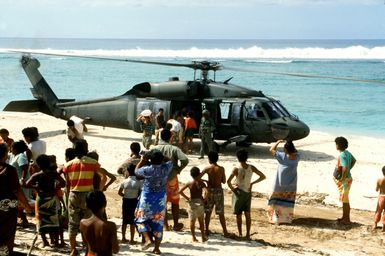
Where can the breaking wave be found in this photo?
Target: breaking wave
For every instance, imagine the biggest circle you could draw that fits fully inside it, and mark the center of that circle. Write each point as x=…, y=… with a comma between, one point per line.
x=254, y=53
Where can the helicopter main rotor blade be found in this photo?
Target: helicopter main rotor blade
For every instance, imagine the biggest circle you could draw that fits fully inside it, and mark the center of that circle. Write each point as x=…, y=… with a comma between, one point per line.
x=201, y=65
x=304, y=75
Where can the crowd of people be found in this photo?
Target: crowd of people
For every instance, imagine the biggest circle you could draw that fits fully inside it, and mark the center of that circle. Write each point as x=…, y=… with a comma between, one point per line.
x=70, y=196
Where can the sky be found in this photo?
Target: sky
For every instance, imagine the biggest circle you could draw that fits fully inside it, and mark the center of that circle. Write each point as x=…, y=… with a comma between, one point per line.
x=194, y=19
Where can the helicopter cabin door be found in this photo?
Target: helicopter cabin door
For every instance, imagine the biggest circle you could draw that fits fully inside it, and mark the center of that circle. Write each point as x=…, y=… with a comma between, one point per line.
x=228, y=120
x=256, y=122
x=152, y=104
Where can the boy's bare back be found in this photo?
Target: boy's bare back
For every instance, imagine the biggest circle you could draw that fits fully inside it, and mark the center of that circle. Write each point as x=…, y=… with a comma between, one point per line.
x=100, y=235
x=216, y=175
x=381, y=186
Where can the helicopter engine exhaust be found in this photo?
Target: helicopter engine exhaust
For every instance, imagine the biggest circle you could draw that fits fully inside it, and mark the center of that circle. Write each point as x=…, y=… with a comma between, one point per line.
x=165, y=89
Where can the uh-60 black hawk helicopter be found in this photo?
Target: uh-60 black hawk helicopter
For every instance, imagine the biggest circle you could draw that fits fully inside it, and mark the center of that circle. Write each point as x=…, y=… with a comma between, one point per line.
x=240, y=114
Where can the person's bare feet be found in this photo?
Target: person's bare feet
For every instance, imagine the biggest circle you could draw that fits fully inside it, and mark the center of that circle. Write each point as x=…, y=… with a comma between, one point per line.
x=178, y=227
x=374, y=227
x=124, y=240
x=156, y=251
x=204, y=239
x=132, y=242
x=194, y=239
x=383, y=228
x=146, y=245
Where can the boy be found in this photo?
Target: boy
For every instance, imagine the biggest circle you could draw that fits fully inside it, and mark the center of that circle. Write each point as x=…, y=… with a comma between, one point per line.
x=241, y=200
x=129, y=190
x=99, y=234
x=381, y=202
x=196, y=206
x=217, y=176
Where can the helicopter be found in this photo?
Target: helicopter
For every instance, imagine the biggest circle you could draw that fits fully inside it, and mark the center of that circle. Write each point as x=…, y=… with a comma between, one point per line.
x=240, y=115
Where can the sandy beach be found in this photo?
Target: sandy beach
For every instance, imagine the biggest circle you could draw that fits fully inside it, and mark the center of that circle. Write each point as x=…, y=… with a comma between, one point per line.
x=314, y=230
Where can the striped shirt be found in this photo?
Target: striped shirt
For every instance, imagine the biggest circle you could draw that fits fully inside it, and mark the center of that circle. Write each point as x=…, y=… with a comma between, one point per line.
x=81, y=173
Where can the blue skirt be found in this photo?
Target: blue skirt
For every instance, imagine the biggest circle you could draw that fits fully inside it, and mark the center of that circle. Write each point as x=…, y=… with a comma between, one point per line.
x=150, y=212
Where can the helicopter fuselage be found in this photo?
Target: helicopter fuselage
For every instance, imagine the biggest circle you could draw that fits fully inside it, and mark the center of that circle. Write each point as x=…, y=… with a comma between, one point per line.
x=239, y=114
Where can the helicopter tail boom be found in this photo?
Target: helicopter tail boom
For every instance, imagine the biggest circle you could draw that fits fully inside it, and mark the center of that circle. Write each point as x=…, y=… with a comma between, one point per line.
x=41, y=90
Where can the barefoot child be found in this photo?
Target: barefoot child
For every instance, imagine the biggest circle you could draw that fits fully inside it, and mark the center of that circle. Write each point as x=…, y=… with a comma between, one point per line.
x=241, y=200
x=217, y=176
x=196, y=206
x=129, y=190
x=381, y=202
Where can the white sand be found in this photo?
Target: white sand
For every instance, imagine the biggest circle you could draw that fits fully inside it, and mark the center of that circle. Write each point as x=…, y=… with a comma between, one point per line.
x=314, y=172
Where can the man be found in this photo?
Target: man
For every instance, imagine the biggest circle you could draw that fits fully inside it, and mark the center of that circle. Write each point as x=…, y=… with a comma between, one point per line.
x=205, y=132
x=99, y=234
x=175, y=154
x=160, y=123
x=76, y=128
x=79, y=178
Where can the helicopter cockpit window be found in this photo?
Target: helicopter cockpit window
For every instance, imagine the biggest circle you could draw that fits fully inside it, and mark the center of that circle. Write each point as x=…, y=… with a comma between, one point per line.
x=253, y=112
x=225, y=111
x=282, y=108
x=274, y=110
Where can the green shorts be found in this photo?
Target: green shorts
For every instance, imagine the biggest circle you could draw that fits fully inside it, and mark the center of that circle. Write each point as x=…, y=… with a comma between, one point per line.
x=77, y=210
x=241, y=201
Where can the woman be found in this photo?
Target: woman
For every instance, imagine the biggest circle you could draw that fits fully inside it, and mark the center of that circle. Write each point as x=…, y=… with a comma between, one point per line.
x=47, y=182
x=10, y=195
x=19, y=160
x=343, y=177
x=151, y=208
x=282, y=201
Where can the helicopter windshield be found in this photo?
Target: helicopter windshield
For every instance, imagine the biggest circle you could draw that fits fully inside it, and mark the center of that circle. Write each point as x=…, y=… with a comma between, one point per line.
x=275, y=110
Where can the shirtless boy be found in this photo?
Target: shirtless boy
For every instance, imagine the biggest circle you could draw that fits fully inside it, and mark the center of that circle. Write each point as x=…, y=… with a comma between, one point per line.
x=241, y=200
x=99, y=234
x=381, y=202
x=217, y=176
x=196, y=202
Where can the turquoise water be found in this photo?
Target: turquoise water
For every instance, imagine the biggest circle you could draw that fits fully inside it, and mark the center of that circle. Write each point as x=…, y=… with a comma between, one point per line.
x=324, y=104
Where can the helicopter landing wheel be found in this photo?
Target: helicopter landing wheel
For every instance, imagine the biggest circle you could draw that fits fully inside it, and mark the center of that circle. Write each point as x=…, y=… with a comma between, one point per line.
x=244, y=143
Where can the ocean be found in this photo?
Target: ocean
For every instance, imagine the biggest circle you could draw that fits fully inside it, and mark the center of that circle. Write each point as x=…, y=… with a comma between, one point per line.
x=336, y=106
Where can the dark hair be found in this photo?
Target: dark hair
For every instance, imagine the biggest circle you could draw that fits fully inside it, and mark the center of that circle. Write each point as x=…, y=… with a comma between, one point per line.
x=168, y=126
x=19, y=146
x=131, y=169
x=242, y=155
x=342, y=143
x=156, y=157
x=194, y=172
x=95, y=200
x=70, y=123
x=383, y=170
x=3, y=150
x=161, y=109
x=190, y=114
x=165, y=135
x=70, y=153
x=4, y=131
x=135, y=148
x=290, y=148
x=81, y=148
x=31, y=132
x=44, y=162
x=94, y=155
x=213, y=157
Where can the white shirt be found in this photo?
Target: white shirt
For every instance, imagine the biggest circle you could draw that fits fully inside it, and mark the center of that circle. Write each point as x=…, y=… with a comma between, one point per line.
x=131, y=187
x=37, y=148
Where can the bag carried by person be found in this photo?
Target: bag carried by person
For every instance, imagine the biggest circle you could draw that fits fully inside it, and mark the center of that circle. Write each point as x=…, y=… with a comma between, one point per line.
x=337, y=173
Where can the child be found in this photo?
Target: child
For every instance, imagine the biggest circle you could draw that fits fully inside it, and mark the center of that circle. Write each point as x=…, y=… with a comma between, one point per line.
x=217, y=176
x=99, y=234
x=196, y=206
x=381, y=202
x=241, y=200
x=129, y=190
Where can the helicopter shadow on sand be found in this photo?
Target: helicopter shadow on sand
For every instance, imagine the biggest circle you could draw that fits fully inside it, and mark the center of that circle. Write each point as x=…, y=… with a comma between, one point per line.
x=262, y=151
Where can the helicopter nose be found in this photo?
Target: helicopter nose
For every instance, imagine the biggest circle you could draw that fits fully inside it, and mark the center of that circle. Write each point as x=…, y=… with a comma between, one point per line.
x=298, y=130
x=289, y=129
